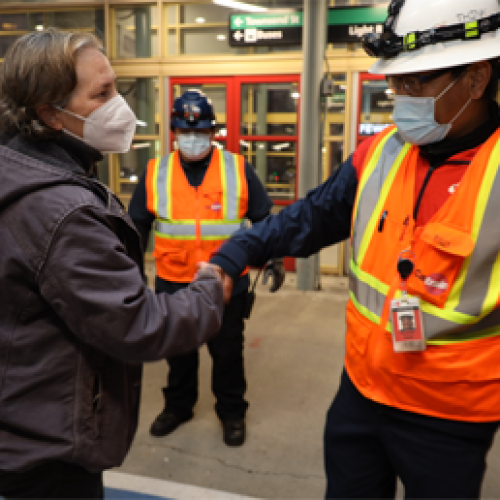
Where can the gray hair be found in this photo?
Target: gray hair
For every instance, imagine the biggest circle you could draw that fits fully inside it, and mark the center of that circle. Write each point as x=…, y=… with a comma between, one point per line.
x=39, y=68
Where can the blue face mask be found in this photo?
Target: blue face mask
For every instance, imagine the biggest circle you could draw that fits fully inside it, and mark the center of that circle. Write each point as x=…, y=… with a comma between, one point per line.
x=415, y=119
x=194, y=145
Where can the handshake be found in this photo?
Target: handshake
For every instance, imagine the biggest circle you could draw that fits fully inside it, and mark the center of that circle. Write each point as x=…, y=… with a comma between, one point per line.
x=273, y=270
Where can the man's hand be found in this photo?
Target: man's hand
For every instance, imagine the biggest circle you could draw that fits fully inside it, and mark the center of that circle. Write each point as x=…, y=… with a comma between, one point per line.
x=274, y=269
x=227, y=281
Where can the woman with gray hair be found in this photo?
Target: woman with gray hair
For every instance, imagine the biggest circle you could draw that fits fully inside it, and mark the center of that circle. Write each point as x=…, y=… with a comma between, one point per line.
x=76, y=319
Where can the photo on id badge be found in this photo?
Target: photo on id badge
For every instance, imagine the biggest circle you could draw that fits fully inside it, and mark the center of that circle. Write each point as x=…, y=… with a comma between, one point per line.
x=407, y=328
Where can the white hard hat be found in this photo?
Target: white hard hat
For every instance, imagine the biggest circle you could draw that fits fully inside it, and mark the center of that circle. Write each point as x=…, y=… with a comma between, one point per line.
x=420, y=28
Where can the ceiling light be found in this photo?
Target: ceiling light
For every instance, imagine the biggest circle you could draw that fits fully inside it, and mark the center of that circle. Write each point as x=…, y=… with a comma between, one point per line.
x=295, y=95
x=221, y=37
x=200, y=20
x=39, y=27
x=140, y=145
x=234, y=4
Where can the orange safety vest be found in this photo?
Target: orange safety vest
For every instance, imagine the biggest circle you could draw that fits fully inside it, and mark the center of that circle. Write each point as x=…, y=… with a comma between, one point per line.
x=192, y=222
x=456, y=277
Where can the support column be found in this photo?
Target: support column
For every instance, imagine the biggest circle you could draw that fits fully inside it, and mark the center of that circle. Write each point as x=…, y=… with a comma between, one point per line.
x=313, y=50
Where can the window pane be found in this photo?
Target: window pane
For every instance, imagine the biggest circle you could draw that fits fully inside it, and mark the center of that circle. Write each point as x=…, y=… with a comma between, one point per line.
x=136, y=32
x=269, y=109
x=335, y=152
x=88, y=20
x=103, y=170
x=205, y=13
x=171, y=14
x=376, y=108
x=131, y=165
x=207, y=41
x=142, y=95
x=173, y=46
x=275, y=164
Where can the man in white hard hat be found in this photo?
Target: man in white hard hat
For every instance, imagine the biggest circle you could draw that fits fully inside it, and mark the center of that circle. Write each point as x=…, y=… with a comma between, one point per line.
x=420, y=203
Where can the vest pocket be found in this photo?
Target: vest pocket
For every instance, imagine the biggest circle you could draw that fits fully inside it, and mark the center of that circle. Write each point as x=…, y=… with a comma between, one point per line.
x=172, y=263
x=440, y=251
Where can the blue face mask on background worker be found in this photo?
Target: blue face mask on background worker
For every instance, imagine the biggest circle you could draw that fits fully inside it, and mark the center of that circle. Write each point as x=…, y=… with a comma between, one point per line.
x=194, y=145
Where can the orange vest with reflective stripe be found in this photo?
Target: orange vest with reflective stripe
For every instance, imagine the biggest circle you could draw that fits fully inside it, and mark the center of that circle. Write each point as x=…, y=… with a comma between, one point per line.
x=456, y=277
x=192, y=222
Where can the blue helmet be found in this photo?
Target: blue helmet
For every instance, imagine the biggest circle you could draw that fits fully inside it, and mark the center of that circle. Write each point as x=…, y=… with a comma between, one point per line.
x=192, y=110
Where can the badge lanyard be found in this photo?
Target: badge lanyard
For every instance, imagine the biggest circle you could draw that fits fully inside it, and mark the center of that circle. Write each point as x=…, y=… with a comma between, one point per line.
x=404, y=313
x=406, y=317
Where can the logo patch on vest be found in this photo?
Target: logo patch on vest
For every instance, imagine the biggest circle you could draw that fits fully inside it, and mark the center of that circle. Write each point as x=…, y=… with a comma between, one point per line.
x=216, y=207
x=436, y=283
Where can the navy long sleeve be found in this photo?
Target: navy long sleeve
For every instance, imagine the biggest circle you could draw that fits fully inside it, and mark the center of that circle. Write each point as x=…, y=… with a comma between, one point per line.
x=320, y=219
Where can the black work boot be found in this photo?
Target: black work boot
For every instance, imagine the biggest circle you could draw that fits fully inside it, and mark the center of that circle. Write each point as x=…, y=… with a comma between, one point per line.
x=234, y=431
x=165, y=423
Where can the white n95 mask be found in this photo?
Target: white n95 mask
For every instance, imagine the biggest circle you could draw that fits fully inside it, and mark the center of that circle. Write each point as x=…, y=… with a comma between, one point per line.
x=194, y=145
x=415, y=118
x=110, y=128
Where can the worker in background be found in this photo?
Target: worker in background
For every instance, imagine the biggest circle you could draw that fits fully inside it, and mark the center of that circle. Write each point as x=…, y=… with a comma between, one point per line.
x=196, y=198
x=420, y=204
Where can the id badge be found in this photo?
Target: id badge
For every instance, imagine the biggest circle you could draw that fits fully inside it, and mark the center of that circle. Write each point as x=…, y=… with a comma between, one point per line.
x=407, y=326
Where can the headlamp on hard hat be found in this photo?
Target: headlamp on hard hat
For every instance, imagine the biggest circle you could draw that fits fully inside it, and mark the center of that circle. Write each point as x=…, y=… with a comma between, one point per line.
x=389, y=44
x=192, y=110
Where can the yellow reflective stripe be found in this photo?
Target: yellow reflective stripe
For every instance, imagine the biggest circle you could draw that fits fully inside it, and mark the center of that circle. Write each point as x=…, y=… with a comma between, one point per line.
x=452, y=316
x=384, y=193
x=204, y=222
x=368, y=171
x=483, y=334
x=238, y=184
x=481, y=204
x=155, y=185
x=172, y=237
x=222, y=164
x=168, y=186
x=366, y=312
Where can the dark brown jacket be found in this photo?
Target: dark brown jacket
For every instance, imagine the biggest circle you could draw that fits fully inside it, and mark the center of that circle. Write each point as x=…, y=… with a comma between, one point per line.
x=76, y=319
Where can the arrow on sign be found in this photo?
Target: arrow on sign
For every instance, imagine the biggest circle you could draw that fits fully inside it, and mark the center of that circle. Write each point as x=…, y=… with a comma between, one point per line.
x=238, y=21
x=238, y=36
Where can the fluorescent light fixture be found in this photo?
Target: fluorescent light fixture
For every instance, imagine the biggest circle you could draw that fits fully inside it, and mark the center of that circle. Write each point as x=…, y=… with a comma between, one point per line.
x=141, y=145
x=235, y=4
x=133, y=178
x=140, y=123
x=389, y=92
x=221, y=38
x=200, y=20
x=295, y=95
x=39, y=27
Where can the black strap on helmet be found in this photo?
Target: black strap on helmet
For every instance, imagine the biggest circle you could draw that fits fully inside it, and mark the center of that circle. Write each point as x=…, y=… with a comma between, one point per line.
x=389, y=44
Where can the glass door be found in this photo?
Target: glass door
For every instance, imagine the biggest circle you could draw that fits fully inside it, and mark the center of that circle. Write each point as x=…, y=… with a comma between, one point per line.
x=268, y=131
x=375, y=106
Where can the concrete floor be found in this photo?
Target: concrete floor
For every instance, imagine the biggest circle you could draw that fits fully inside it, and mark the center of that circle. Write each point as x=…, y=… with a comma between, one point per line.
x=294, y=352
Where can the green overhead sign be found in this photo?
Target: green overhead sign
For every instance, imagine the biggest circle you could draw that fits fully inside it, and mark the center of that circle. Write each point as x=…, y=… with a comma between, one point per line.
x=242, y=21
x=345, y=25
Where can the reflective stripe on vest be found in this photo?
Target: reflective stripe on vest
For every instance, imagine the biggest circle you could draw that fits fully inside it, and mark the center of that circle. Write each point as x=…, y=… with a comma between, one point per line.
x=211, y=229
x=470, y=311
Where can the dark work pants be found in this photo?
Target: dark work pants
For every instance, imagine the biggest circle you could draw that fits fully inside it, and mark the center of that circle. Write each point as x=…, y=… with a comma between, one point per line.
x=228, y=377
x=368, y=445
x=52, y=480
